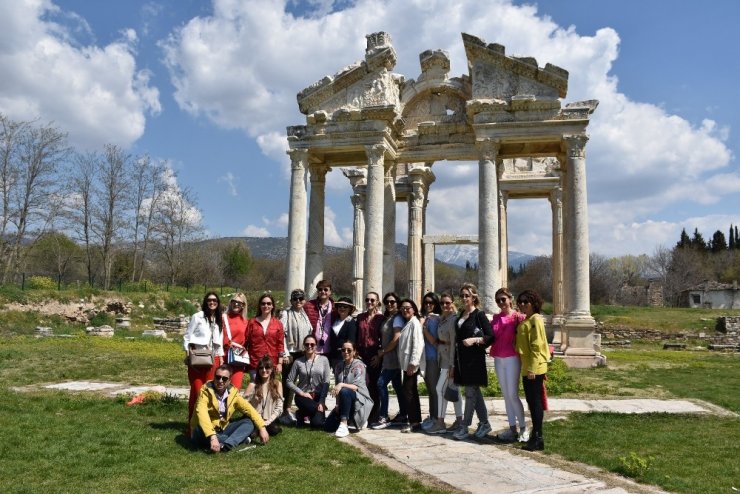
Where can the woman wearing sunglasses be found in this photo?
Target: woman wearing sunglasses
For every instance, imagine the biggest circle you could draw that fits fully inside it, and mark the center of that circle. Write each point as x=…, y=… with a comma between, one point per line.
x=410, y=351
x=309, y=381
x=204, y=331
x=235, y=335
x=265, y=335
x=343, y=328
x=353, y=399
x=508, y=365
x=531, y=344
x=265, y=394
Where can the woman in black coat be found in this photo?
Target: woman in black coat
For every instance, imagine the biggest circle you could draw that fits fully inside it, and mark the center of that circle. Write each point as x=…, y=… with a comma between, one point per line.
x=472, y=337
x=344, y=329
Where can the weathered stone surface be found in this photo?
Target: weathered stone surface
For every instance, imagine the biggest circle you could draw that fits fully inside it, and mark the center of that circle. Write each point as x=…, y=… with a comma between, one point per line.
x=156, y=333
x=43, y=331
x=104, y=330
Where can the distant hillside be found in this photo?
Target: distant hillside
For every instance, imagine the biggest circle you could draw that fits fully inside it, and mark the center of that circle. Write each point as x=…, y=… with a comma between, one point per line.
x=277, y=248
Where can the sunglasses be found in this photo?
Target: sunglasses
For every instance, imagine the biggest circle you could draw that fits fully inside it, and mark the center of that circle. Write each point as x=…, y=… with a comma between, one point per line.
x=523, y=302
x=298, y=299
x=501, y=300
x=407, y=308
x=266, y=304
x=309, y=345
x=389, y=302
x=222, y=378
x=324, y=289
x=265, y=369
x=212, y=300
x=346, y=350
x=237, y=304
x=370, y=300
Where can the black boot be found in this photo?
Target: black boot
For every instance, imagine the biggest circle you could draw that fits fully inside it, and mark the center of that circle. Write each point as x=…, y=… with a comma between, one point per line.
x=535, y=443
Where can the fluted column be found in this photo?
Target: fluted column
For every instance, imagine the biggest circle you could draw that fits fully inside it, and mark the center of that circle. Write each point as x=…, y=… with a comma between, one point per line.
x=578, y=321
x=356, y=177
x=489, y=279
x=296, y=262
x=416, y=210
x=389, y=229
x=315, y=248
x=503, y=199
x=374, y=215
x=556, y=205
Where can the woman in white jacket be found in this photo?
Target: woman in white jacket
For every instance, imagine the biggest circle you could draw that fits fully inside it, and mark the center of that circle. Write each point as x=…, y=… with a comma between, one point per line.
x=204, y=331
x=410, y=350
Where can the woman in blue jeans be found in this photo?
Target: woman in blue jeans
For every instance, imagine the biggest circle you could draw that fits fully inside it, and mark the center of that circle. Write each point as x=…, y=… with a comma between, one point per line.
x=353, y=398
x=391, y=370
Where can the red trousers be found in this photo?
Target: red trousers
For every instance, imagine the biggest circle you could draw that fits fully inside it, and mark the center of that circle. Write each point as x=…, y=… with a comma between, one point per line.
x=198, y=376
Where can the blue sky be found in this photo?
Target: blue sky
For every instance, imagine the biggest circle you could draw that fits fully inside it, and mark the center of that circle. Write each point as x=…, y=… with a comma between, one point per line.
x=210, y=87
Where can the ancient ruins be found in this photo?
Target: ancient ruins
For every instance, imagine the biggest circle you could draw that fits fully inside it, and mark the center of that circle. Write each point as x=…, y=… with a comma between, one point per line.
x=386, y=132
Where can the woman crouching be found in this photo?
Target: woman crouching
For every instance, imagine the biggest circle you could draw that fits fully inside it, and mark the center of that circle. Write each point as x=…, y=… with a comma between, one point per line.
x=351, y=393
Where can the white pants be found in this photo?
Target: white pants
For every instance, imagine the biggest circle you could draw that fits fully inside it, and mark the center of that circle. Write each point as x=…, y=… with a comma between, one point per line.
x=441, y=402
x=508, y=371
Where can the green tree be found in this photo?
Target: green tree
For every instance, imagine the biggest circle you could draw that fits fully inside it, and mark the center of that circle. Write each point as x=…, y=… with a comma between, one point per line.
x=697, y=241
x=54, y=254
x=731, y=238
x=236, y=262
x=718, y=243
x=685, y=241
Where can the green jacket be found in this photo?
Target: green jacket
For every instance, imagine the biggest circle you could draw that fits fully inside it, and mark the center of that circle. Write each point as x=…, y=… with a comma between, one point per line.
x=531, y=345
x=206, y=410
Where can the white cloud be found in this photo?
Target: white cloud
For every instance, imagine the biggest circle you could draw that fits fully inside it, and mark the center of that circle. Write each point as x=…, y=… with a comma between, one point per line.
x=242, y=66
x=331, y=232
x=256, y=231
x=95, y=93
x=230, y=180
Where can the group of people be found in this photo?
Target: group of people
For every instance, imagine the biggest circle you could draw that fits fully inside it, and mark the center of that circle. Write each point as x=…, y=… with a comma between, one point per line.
x=295, y=357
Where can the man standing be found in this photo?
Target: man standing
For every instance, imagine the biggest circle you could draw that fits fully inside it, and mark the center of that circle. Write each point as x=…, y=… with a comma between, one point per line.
x=211, y=423
x=296, y=326
x=319, y=312
x=369, y=334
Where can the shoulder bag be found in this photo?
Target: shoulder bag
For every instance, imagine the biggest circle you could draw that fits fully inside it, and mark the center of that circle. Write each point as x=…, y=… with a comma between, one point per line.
x=235, y=356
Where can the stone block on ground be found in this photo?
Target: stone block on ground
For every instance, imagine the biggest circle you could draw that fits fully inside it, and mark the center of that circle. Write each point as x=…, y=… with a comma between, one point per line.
x=104, y=330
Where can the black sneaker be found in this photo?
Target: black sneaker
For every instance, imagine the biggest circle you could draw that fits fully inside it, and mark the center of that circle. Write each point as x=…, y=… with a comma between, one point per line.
x=399, y=420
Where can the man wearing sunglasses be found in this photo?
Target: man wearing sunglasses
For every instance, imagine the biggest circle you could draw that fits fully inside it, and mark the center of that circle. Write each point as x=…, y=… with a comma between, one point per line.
x=211, y=423
x=296, y=326
x=320, y=312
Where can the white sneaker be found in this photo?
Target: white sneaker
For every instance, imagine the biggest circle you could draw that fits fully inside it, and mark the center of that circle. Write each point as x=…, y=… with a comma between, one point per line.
x=342, y=431
x=523, y=435
x=483, y=430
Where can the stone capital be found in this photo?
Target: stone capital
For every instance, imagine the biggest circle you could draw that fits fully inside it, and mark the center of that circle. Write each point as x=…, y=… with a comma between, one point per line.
x=318, y=173
x=298, y=158
x=375, y=153
x=556, y=197
x=575, y=145
x=487, y=148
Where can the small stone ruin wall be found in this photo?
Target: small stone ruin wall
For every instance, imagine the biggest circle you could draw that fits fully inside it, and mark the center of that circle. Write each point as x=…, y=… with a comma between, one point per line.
x=726, y=332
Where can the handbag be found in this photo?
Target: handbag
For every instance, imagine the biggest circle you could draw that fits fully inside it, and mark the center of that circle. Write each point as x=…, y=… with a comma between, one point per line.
x=235, y=357
x=200, y=356
x=452, y=393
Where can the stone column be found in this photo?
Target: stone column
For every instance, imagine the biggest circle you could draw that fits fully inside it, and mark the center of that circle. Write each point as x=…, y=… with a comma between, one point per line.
x=556, y=205
x=374, y=214
x=356, y=178
x=315, y=248
x=428, y=275
x=503, y=199
x=489, y=279
x=389, y=230
x=416, y=225
x=579, y=324
x=296, y=262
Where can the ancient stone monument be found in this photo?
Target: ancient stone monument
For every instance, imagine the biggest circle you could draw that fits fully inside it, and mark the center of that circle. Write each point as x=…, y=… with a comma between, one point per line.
x=386, y=132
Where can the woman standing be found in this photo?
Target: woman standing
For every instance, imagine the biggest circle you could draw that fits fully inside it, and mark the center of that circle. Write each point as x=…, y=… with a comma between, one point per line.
x=353, y=397
x=430, y=311
x=204, y=331
x=313, y=373
x=531, y=344
x=446, y=356
x=343, y=328
x=472, y=337
x=235, y=335
x=410, y=350
x=508, y=365
x=265, y=336
x=265, y=394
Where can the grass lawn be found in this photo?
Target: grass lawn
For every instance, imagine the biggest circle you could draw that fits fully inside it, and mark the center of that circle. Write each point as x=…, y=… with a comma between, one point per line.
x=61, y=442
x=679, y=319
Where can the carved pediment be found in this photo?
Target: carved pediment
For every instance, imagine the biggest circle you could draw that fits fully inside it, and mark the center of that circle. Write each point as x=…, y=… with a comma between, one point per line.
x=366, y=83
x=495, y=76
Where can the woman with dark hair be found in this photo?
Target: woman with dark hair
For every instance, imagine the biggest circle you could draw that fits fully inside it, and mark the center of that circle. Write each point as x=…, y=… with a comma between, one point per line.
x=531, y=345
x=343, y=328
x=387, y=360
x=313, y=373
x=353, y=397
x=235, y=335
x=430, y=311
x=265, y=394
x=508, y=365
x=410, y=350
x=472, y=337
x=204, y=331
x=265, y=335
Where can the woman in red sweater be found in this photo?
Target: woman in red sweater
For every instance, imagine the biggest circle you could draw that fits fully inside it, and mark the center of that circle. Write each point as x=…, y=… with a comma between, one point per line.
x=265, y=336
x=236, y=320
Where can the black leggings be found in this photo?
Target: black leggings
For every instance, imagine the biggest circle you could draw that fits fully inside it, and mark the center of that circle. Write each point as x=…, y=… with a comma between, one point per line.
x=308, y=407
x=533, y=395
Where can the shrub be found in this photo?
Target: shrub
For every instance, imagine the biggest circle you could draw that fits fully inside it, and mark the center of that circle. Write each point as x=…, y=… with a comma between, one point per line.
x=41, y=283
x=634, y=465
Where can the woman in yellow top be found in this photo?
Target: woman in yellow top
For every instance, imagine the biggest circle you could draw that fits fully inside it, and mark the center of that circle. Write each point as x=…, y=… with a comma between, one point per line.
x=531, y=345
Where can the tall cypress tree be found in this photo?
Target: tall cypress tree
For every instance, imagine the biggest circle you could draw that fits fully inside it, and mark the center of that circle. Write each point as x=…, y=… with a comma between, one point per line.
x=731, y=238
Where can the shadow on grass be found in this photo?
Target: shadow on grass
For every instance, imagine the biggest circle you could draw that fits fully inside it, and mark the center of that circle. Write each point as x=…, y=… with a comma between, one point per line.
x=181, y=439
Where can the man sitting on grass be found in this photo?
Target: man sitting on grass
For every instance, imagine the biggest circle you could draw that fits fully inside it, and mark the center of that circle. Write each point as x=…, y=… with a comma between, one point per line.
x=211, y=423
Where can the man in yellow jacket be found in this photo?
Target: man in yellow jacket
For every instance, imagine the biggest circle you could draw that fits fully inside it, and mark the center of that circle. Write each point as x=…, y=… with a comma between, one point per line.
x=211, y=423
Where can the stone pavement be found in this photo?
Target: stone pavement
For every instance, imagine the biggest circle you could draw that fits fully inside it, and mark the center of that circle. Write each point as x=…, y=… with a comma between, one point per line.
x=473, y=466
